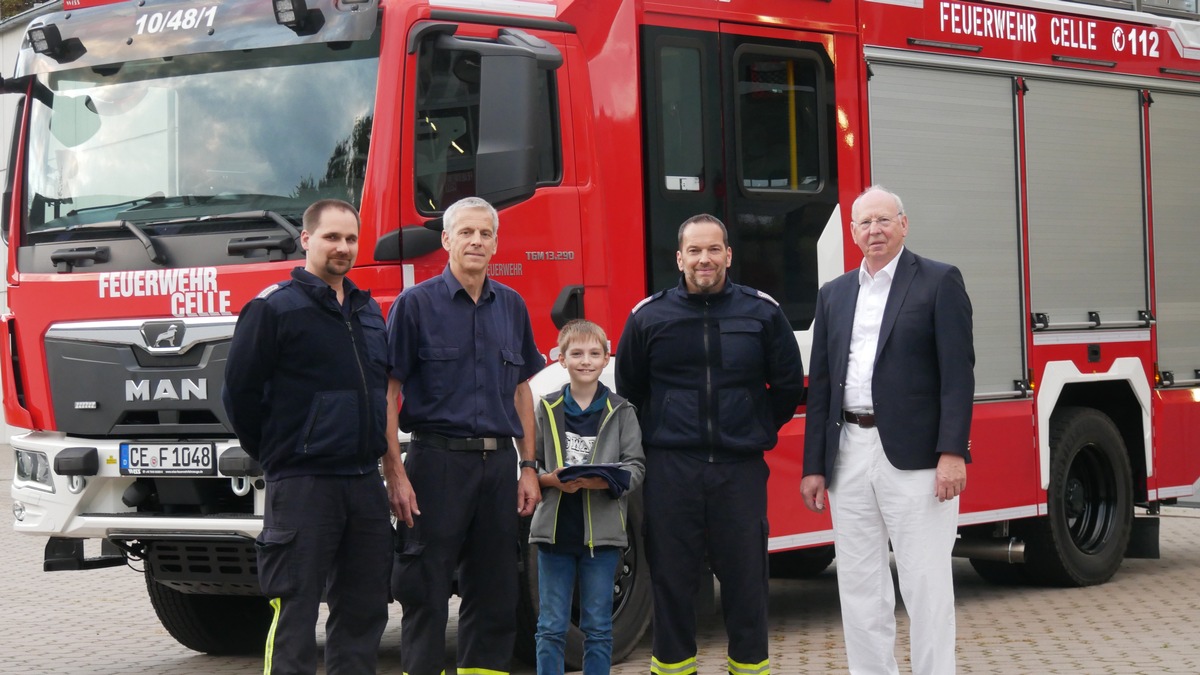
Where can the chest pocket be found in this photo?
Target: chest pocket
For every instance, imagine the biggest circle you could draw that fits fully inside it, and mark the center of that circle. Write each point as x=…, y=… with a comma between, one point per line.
x=439, y=367
x=741, y=343
x=375, y=334
x=513, y=364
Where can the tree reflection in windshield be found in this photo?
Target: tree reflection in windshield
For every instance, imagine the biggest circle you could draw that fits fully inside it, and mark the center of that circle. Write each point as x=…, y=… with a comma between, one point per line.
x=344, y=170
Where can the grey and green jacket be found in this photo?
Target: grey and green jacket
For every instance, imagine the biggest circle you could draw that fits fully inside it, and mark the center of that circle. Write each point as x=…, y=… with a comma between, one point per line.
x=619, y=440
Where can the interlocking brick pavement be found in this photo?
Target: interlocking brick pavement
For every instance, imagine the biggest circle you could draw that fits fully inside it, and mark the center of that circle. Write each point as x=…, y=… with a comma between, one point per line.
x=1143, y=621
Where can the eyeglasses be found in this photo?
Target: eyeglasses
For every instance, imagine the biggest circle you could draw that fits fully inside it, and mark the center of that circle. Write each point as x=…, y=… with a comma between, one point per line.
x=884, y=222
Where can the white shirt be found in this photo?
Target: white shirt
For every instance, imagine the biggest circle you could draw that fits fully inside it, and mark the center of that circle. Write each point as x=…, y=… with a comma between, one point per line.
x=864, y=337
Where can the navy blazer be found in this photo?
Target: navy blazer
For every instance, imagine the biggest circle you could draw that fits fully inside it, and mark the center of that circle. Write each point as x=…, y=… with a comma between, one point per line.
x=923, y=384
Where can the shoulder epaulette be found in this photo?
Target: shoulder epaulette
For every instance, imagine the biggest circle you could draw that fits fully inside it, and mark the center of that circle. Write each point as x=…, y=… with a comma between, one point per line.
x=644, y=301
x=759, y=294
x=266, y=292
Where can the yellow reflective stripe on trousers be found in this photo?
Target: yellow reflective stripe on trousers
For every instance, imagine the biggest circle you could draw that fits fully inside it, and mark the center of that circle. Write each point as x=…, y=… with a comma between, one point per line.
x=761, y=668
x=685, y=667
x=481, y=671
x=276, y=604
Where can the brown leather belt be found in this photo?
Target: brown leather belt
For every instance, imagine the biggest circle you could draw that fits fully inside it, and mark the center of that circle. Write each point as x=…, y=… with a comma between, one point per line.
x=461, y=444
x=864, y=420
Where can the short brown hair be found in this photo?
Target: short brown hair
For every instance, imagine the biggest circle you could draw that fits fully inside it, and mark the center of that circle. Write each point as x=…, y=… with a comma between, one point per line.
x=312, y=215
x=581, y=330
x=703, y=218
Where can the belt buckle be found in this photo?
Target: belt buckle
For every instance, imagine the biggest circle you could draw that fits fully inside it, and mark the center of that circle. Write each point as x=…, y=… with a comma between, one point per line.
x=490, y=444
x=863, y=420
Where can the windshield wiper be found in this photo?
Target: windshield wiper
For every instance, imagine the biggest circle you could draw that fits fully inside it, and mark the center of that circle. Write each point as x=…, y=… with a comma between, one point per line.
x=156, y=256
x=149, y=199
x=284, y=223
x=287, y=244
x=152, y=251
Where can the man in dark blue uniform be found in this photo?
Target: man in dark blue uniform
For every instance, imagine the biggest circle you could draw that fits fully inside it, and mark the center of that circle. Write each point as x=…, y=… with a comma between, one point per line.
x=305, y=390
x=462, y=349
x=714, y=370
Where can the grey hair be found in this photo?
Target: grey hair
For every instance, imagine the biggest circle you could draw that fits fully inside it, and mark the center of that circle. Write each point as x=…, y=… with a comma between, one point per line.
x=450, y=217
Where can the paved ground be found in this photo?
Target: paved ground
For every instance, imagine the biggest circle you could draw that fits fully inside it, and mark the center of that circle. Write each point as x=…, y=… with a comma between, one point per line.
x=100, y=622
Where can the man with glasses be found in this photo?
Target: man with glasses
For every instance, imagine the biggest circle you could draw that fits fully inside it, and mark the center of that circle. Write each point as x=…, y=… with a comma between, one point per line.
x=891, y=388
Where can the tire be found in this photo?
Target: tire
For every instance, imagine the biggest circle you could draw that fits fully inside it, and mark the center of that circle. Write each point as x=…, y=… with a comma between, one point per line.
x=804, y=563
x=632, y=599
x=213, y=624
x=1082, y=539
x=1000, y=573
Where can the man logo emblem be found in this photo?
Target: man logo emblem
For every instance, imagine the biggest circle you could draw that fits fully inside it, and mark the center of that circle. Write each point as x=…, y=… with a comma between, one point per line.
x=163, y=335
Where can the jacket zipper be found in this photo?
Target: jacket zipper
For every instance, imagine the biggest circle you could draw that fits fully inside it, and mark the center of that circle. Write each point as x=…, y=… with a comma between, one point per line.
x=587, y=496
x=708, y=385
x=362, y=377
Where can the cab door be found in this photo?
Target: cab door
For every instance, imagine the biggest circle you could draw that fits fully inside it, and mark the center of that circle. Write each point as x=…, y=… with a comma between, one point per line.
x=739, y=124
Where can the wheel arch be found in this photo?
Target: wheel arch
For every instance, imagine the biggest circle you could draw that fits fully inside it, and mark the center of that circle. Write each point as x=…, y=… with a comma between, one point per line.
x=1122, y=393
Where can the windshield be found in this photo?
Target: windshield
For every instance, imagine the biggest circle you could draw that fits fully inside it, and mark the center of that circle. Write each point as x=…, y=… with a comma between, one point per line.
x=178, y=139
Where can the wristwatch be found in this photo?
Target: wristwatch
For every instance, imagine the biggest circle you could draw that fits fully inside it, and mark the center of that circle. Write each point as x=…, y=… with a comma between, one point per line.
x=528, y=464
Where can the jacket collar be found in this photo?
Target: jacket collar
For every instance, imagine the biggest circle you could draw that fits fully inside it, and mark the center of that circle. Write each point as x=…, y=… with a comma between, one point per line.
x=558, y=397
x=453, y=286
x=597, y=404
x=322, y=294
x=725, y=293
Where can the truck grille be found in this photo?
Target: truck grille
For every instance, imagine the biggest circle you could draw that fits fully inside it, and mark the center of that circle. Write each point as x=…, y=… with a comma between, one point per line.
x=118, y=379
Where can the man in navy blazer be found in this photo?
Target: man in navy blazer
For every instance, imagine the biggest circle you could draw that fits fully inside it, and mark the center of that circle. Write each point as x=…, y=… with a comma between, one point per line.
x=891, y=386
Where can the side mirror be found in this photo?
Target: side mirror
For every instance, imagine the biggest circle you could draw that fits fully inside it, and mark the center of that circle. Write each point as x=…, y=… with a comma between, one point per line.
x=511, y=70
x=408, y=242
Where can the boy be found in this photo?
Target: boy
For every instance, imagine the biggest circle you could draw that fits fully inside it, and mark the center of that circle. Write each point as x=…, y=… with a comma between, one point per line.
x=580, y=525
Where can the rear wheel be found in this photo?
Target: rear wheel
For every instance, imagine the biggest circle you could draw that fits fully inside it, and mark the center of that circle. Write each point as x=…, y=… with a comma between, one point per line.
x=213, y=624
x=631, y=598
x=1082, y=540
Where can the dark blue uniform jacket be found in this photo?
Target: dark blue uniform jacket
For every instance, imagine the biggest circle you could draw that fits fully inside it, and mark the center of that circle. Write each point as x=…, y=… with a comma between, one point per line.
x=306, y=380
x=717, y=373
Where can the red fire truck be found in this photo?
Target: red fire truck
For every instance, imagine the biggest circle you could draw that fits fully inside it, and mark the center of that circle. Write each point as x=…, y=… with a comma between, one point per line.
x=165, y=149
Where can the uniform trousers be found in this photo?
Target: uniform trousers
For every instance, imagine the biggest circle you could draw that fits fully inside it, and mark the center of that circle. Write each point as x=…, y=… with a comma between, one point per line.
x=468, y=524
x=328, y=535
x=871, y=502
x=715, y=510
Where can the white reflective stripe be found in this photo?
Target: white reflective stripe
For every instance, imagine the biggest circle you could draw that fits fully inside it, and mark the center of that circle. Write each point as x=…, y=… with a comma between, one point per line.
x=685, y=667
x=791, y=541
x=1091, y=337
x=763, y=668
x=523, y=7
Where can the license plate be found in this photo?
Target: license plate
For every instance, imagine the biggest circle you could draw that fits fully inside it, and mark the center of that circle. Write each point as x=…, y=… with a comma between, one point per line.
x=169, y=459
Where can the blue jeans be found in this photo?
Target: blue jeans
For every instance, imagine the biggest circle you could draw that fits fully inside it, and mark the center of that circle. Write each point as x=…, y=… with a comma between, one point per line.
x=556, y=585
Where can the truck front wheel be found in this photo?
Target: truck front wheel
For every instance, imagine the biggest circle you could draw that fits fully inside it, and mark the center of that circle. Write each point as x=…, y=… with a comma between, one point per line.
x=213, y=624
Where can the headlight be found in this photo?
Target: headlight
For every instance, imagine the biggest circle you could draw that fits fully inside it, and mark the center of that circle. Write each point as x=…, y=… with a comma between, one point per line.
x=34, y=467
